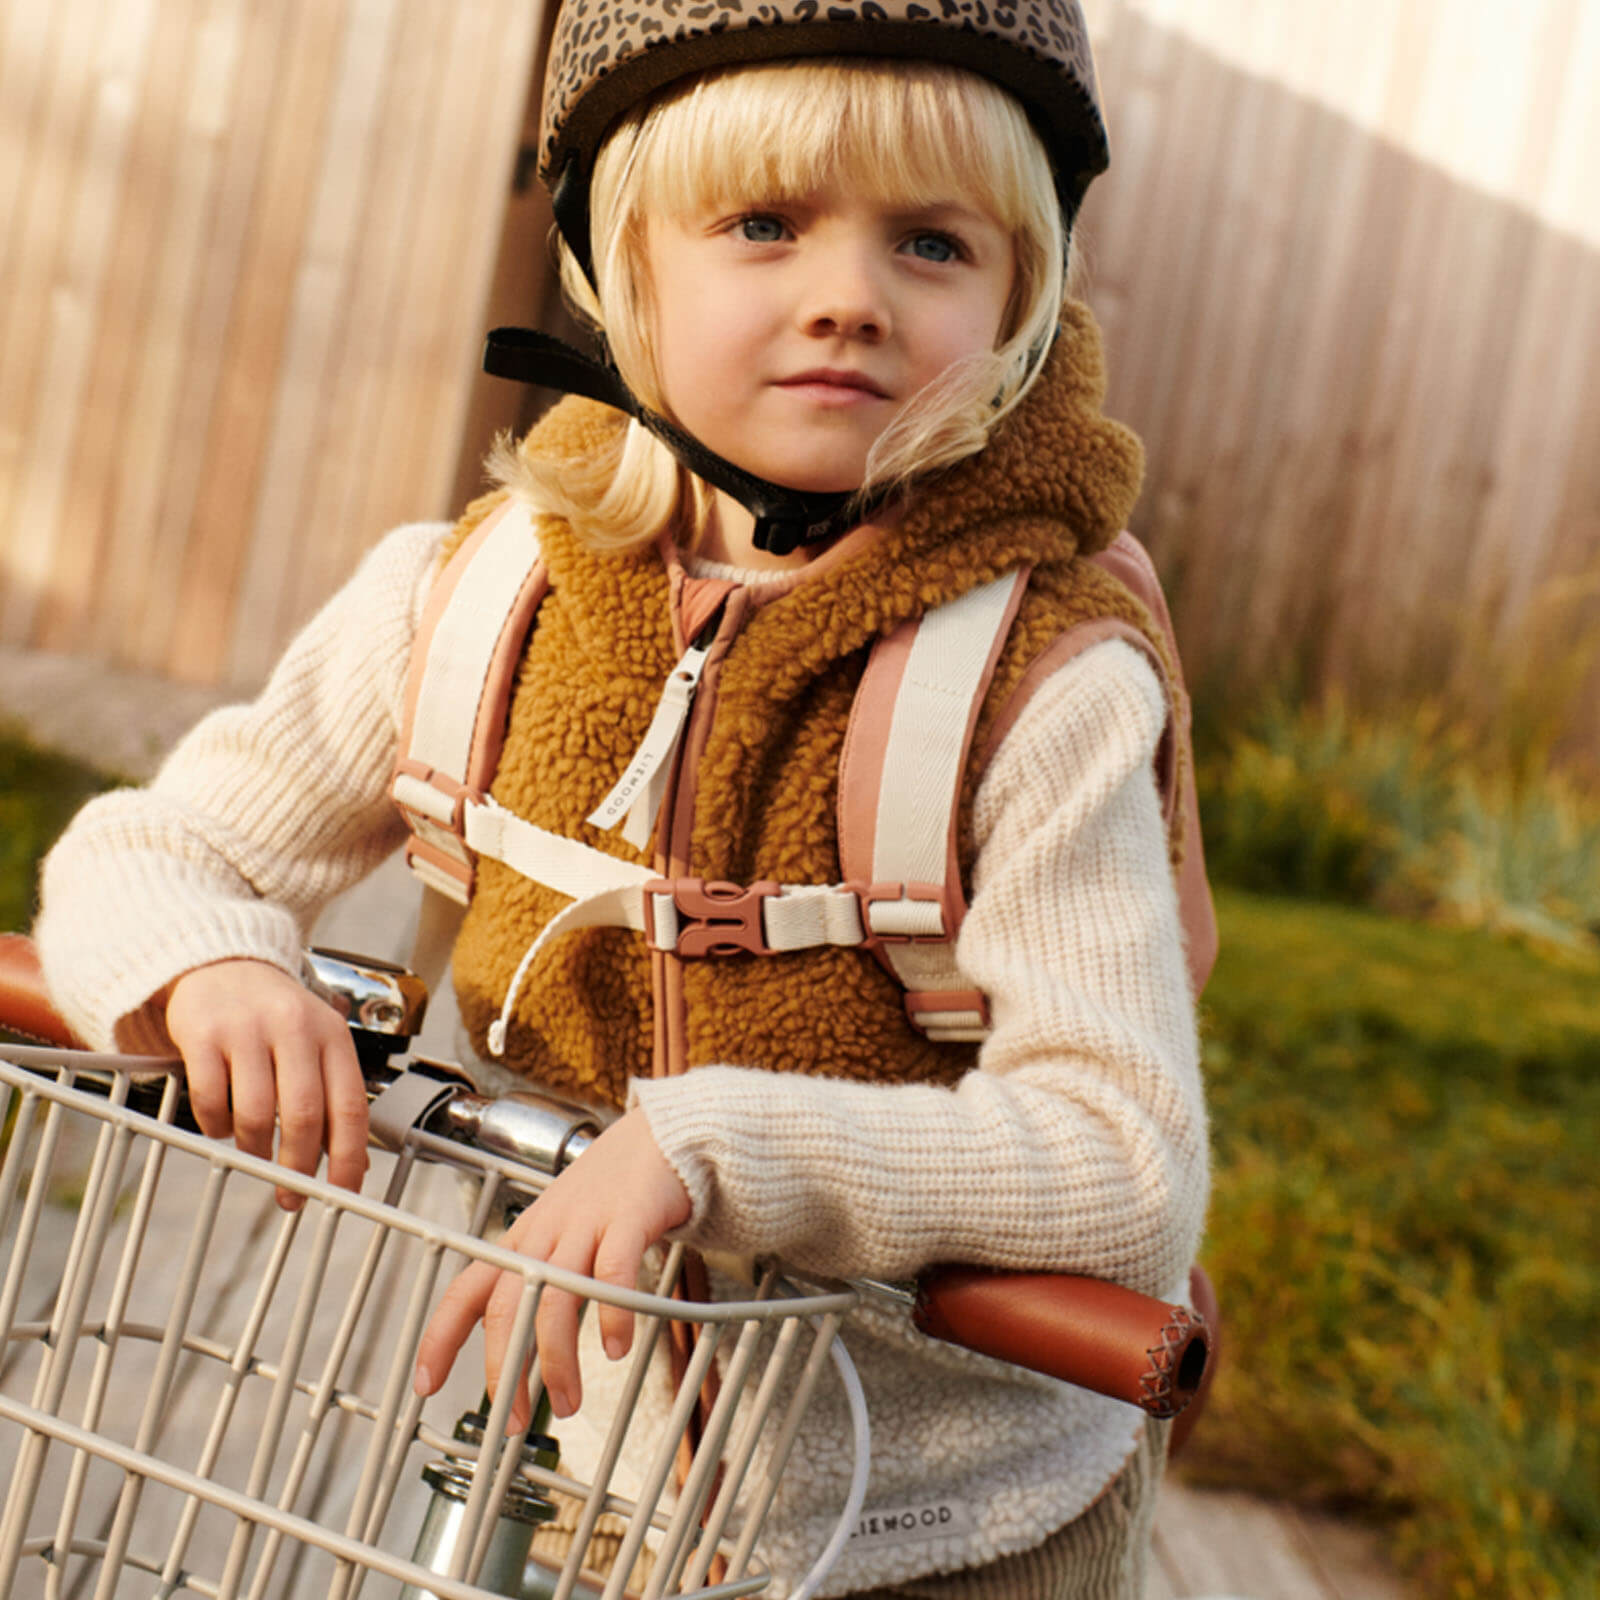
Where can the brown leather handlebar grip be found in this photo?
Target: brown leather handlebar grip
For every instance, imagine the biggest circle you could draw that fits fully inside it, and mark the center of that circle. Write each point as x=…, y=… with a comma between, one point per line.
x=1097, y=1335
x=24, y=1001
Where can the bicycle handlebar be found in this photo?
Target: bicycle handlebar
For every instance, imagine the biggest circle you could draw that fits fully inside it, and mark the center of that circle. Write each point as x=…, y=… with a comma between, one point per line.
x=25, y=1005
x=1082, y=1330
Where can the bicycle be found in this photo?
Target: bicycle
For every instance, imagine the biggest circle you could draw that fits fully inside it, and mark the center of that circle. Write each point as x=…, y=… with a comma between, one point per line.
x=259, y=1385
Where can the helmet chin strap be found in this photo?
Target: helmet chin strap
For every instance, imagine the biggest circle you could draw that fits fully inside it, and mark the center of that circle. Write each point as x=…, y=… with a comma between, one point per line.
x=786, y=519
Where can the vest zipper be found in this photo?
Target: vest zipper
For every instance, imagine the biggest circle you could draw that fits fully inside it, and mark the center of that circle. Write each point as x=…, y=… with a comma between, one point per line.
x=635, y=799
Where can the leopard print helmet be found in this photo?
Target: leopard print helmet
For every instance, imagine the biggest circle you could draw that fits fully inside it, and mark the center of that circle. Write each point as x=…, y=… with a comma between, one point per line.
x=608, y=55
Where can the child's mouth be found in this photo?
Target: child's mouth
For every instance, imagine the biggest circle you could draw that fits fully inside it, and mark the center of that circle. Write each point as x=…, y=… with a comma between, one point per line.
x=834, y=387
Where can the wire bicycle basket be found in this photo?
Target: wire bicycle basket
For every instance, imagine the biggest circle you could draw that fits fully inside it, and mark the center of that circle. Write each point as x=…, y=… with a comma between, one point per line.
x=201, y=1394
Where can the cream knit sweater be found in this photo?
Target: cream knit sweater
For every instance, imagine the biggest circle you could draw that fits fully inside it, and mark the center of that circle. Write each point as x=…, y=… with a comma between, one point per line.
x=1079, y=1145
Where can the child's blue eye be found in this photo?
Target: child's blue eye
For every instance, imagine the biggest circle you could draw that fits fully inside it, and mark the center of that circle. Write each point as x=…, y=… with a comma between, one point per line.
x=933, y=247
x=761, y=230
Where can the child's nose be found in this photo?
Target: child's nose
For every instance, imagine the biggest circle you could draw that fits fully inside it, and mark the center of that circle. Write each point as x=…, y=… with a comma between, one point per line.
x=846, y=299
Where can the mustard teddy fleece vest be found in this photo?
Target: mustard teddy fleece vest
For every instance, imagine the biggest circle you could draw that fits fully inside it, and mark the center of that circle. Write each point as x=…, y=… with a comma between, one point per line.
x=757, y=794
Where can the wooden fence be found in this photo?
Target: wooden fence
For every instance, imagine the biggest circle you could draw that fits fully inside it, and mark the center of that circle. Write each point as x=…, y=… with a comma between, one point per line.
x=247, y=250
x=1348, y=262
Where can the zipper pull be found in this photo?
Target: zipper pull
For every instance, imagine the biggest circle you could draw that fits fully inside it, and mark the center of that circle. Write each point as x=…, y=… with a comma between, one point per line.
x=638, y=793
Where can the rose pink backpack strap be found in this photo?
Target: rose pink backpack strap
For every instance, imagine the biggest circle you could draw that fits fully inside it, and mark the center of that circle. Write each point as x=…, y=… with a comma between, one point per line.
x=892, y=810
x=900, y=772
x=1128, y=562
x=458, y=690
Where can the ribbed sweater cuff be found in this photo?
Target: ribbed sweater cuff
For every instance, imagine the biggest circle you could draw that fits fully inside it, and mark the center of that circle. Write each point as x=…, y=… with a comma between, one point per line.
x=109, y=981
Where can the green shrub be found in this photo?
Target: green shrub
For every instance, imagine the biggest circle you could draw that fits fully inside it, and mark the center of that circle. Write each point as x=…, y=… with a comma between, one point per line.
x=1523, y=858
x=39, y=792
x=1406, y=814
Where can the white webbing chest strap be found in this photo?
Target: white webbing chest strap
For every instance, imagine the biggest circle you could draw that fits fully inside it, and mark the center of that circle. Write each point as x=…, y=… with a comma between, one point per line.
x=906, y=749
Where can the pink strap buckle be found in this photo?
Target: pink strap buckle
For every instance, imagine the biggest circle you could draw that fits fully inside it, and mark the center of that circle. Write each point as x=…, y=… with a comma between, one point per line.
x=714, y=919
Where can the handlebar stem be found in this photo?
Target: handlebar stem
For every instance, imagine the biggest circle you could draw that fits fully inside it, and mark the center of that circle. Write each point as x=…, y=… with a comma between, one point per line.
x=538, y=1130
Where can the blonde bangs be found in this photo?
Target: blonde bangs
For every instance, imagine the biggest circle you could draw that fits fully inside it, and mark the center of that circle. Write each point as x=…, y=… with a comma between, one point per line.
x=910, y=134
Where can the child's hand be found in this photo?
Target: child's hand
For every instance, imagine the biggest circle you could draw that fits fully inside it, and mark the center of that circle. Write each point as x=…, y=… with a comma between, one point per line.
x=249, y=1028
x=599, y=1217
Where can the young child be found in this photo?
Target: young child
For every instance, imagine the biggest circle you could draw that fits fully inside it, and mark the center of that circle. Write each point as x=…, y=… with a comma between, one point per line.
x=827, y=255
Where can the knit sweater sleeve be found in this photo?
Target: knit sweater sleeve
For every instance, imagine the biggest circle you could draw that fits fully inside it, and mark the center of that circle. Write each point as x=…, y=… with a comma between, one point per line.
x=260, y=815
x=1079, y=1143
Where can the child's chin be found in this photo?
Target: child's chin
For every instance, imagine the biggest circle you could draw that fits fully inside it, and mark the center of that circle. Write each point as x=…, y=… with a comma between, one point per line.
x=829, y=485
x=805, y=477
x=829, y=479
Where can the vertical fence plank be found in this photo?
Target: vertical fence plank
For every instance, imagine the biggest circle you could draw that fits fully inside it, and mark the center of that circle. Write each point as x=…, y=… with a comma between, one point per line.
x=66, y=336
x=417, y=428
x=280, y=538
x=25, y=40
x=230, y=487
x=1538, y=450
x=480, y=170
x=1346, y=255
x=138, y=605
x=116, y=469
x=352, y=451
x=1239, y=373
x=525, y=291
x=49, y=183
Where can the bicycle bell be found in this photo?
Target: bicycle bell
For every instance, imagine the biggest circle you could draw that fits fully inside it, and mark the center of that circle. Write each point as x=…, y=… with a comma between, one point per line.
x=384, y=1004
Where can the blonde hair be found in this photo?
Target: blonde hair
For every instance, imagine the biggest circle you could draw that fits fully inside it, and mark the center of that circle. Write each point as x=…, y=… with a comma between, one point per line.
x=905, y=132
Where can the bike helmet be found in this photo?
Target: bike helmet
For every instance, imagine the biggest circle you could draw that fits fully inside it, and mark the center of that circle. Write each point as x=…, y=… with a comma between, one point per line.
x=606, y=58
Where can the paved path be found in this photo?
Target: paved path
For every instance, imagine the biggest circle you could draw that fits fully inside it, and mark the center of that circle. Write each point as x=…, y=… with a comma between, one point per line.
x=1219, y=1543
x=1208, y=1543
x=120, y=721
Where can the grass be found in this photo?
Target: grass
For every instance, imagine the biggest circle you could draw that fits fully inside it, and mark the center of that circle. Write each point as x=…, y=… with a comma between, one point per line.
x=39, y=792
x=1404, y=1240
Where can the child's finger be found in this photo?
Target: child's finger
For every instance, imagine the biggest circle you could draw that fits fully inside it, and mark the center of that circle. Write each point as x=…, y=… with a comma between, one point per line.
x=616, y=1262
x=557, y=1330
x=499, y=1320
x=455, y=1317
x=298, y=1067
x=254, y=1086
x=345, y=1095
x=206, y=1078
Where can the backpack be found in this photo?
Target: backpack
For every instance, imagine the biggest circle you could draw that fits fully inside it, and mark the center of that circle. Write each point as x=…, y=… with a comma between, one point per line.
x=900, y=781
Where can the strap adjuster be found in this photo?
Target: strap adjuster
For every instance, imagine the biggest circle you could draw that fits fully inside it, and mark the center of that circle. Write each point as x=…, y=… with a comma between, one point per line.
x=707, y=919
x=914, y=913
x=949, y=1013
